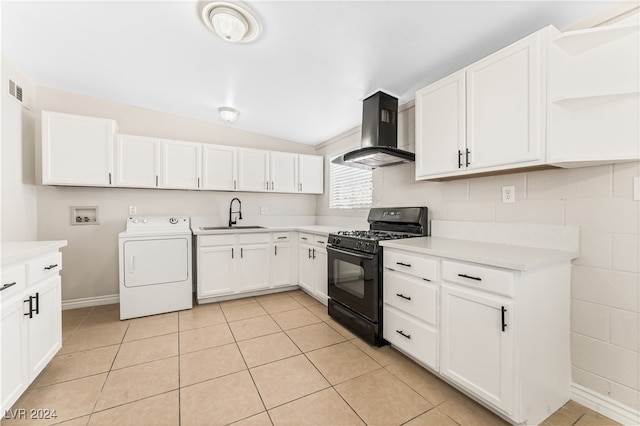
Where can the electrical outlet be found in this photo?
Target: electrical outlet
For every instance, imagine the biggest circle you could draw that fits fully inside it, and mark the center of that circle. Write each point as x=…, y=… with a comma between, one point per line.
x=509, y=194
x=264, y=210
x=133, y=210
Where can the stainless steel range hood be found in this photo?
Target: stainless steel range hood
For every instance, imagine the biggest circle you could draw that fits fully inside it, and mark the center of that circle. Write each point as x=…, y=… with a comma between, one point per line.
x=379, y=136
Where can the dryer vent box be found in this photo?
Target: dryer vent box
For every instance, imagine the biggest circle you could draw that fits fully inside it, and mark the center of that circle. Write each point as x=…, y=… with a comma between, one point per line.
x=83, y=215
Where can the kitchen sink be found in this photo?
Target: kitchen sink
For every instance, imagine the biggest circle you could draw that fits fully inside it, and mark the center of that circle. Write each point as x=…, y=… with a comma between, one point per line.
x=220, y=228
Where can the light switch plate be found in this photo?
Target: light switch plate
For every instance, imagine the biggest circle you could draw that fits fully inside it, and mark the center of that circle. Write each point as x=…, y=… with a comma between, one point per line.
x=636, y=188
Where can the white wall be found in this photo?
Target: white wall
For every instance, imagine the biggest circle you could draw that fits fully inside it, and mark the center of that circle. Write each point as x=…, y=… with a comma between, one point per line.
x=18, y=208
x=90, y=259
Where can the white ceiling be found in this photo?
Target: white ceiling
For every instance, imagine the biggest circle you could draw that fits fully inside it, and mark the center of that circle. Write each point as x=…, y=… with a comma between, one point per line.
x=302, y=80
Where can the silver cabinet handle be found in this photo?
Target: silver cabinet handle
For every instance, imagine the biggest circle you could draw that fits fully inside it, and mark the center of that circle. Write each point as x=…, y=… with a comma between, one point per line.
x=272, y=185
x=275, y=250
x=235, y=184
x=300, y=187
x=267, y=183
x=50, y=266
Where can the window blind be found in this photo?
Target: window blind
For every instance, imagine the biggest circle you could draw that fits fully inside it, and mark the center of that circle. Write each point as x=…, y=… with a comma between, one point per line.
x=350, y=188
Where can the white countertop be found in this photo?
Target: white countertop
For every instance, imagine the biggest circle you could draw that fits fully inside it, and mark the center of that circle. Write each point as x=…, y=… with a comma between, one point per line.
x=19, y=251
x=506, y=256
x=313, y=229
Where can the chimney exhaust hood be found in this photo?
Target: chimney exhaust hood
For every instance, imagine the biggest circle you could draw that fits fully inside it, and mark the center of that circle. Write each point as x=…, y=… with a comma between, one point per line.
x=379, y=146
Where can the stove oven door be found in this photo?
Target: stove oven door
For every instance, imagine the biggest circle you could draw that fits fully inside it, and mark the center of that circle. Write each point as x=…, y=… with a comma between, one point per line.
x=354, y=281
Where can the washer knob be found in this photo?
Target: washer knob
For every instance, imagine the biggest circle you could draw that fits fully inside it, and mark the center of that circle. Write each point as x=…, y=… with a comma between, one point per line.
x=135, y=220
x=145, y=220
x=173, y=220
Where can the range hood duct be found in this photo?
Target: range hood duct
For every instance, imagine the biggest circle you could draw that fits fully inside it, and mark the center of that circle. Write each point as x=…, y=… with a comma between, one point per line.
x=379, y=146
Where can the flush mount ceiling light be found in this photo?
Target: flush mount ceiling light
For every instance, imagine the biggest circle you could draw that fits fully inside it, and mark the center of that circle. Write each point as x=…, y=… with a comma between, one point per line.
x=228, y=114
x=233, y=22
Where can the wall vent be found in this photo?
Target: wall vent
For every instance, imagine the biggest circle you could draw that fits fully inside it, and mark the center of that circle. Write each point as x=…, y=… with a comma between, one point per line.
x=15, y=91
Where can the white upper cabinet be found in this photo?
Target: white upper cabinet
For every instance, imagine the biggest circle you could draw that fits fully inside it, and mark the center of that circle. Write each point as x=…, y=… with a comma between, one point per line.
x=180, y=165
x=219, y=167
x=594, y=88
x=283, y=167
x=253, y=170
x=137, y=161
x=310, y=174
x=486, y=117
x=88, y=151
x=505, y=106
x=441, y=126
x=77, y=150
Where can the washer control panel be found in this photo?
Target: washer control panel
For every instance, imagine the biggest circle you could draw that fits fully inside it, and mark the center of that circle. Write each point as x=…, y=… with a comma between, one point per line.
x=155, y=222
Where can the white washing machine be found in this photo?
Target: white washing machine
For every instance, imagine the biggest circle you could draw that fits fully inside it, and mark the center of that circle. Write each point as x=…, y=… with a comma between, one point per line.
x=155, y=266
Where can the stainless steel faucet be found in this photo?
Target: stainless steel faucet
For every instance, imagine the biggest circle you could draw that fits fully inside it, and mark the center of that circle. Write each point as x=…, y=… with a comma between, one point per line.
x=239, y=211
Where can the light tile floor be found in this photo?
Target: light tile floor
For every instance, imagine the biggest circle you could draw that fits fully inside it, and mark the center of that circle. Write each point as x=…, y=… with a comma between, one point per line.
x=276, y=359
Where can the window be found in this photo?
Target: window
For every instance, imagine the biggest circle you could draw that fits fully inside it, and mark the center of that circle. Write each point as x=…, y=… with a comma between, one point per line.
x=349, y=187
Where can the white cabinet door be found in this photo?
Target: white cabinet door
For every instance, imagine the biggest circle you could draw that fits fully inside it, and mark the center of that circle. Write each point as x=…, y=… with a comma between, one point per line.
x=504, y=106
x=180, y=165
x=321, y=275
x=253, y=267
x=477, y=345
x=283, y=167
x=253, y=170
x=281, y=264
x=219, y=170
x=441, y=127
x=77, y=150
x=216, y=271
x=310, y=174
x=13, y=345
x=45, y=325
x=306, y=278
x=137, y=161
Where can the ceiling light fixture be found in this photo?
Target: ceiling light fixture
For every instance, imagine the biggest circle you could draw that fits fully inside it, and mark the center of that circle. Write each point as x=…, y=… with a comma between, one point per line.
x=228, y=114
x=232, y=21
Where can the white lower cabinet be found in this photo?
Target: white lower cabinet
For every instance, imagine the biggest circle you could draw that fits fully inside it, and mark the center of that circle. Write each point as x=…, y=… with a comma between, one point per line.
x=30, y=321
x=500, y=335
x=234, y=265
x=312, y=264
x=282, y=260
x=410, y=312
x=477, y=345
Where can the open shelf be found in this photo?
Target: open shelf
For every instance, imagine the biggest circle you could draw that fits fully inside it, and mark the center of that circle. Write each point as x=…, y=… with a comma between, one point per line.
x=578, y=103
x=578, y=42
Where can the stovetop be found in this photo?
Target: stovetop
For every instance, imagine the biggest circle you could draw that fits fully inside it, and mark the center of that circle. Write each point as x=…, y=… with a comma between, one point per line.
x=365, y=241
x=375, y=235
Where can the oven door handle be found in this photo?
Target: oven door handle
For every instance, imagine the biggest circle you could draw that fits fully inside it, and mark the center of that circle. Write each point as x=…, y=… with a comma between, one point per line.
x=350, y=253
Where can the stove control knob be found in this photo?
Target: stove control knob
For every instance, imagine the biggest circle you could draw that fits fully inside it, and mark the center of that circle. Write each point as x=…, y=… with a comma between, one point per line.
x=135, y=220
x=173, y=220
x=336, y=240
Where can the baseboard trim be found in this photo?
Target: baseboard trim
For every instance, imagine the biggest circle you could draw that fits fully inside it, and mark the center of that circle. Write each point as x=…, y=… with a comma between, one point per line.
x=90, y=302
x=605, y=405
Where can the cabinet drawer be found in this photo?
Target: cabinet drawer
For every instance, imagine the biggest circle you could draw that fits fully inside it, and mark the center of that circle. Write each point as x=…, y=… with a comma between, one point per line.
x=217, y=240
x=13, y=282
x=281, y=237
x=259, y=238
x=320, y=240
x=44, y=267
x=411, y=295
x=305, y=238
x=412, y=336
x=419, y=266
x=481, y=277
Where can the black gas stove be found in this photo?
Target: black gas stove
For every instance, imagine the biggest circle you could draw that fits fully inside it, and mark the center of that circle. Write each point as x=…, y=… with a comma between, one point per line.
x=355, y=268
